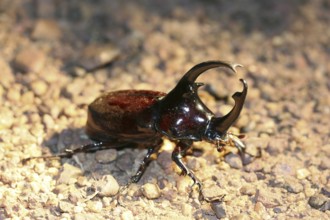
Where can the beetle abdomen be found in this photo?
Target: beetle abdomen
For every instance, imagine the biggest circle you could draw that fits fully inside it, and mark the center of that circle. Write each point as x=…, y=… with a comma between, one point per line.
x=122, y=114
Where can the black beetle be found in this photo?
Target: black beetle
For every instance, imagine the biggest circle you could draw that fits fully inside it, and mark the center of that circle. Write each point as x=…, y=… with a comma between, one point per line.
x=140, y=117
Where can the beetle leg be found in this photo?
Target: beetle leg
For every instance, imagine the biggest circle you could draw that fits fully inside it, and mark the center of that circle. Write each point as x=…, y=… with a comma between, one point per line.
x=179, y=152
x=89, y=148
x=235, y=141
x=146, y=160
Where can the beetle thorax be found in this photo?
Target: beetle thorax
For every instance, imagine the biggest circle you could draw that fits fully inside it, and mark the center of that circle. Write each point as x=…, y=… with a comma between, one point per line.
x=183, y=117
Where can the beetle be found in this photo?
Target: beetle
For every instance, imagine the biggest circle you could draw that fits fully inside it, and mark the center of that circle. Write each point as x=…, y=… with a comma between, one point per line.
x=129, y=118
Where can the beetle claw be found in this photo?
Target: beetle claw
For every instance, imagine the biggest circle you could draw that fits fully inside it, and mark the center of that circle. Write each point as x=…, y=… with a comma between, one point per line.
x=120, y=192
x=209, y=200
x=196, y=181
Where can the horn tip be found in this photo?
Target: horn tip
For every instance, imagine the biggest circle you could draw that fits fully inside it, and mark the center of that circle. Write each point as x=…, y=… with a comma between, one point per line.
x=234, y=66
x=243, y=82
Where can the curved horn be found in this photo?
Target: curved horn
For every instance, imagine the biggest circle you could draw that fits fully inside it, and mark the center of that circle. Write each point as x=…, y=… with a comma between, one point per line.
x=222, y=124
x=193, y=73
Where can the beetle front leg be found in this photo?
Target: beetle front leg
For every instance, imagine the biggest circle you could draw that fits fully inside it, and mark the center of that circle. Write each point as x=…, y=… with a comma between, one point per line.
x=235, y=141
x=179, y=152
x=146, y=161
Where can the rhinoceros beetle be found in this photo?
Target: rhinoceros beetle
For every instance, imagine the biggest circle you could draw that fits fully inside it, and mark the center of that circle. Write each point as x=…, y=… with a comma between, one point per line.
x=130, y=118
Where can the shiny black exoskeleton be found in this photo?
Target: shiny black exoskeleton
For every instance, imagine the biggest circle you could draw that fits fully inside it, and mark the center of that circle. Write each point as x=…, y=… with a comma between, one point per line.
x=139, y=117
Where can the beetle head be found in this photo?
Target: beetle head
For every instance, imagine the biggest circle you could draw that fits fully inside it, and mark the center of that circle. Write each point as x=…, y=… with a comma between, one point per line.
x=182, y=114
x=218, y=125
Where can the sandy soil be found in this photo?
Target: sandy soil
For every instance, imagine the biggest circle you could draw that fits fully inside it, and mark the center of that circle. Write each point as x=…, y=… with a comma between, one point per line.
x=48, y=51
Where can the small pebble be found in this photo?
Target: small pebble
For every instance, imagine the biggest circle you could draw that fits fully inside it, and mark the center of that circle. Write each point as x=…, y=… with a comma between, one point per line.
x=95, y=55
x=107, y=186
x=28, y=98
x=219, y=209
x=134, y=190
x=326, y=191
x=95, y=206
x=234, y=161
x=48, y=121
x=325, y=206
x=86, y=216
x=106, y=156
x=248, y=190
x=293, y=185
x=183, y=184
x=65, y=206
x=6, y=118
x=214, y=192
x=309, y=191
x=75, y=88
x=7, y=76
x=259, y=208
x=194, y=164
x=151, y=191
x=39, y=87
x=164, y=160
x=242, y=216
x=235, y=182
x=46, y=30
x=30, y=60
x=75, y=195
x=277, y=147
x=187, y=209
x=325, y=164
x=283, y=169
x=70, y=110
x=13, y=95
x=62, y=189
x=78, y=209
x=83, y=181
x=53, y=171
x=303, y=173
x=127, y=215
x=318, y=201
x=124, y=162
x=2, y=90
x=106, y=201
x=69, y=174
x=267, y=198
x=277, y=210
x=250, y=177
x=35, y=186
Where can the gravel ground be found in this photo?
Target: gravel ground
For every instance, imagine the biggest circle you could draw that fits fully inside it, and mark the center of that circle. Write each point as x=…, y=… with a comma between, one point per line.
x=48, y=51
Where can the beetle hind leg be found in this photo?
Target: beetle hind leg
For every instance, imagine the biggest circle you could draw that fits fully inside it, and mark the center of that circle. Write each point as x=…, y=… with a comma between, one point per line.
x=89, y=148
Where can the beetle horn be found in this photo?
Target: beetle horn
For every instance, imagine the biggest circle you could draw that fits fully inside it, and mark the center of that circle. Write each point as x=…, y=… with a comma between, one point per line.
x=193, y=73
x=222, y=124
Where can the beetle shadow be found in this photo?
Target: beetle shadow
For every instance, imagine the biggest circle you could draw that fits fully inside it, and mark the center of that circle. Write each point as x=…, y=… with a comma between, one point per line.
x=121, y=166
x=67, y=138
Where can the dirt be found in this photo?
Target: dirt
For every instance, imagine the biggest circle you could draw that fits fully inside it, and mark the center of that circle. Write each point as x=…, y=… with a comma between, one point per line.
x=58, y=56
